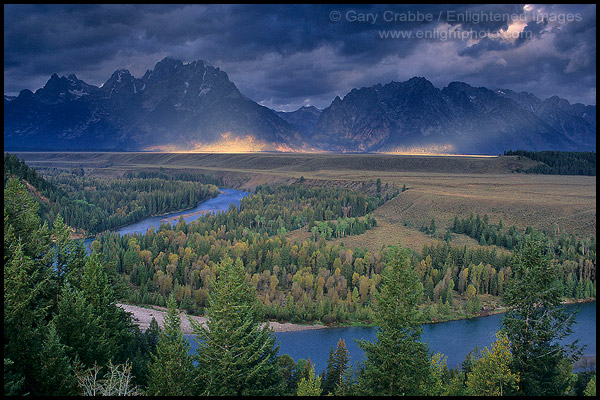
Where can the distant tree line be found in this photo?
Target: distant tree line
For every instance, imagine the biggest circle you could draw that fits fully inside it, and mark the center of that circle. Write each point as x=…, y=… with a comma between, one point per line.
x=564, y=246
x=13, y=167
x=277, y=210
x=165, y=174
x=558, y=162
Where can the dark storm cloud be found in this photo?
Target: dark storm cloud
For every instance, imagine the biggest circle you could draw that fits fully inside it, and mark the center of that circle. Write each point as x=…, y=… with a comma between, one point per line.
x=284, y=56
x=531, y=31
x=484, y=45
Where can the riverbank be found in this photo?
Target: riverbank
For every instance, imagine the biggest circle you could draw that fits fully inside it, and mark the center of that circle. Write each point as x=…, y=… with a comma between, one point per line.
x=142, y=316
x=457, y=317
x=500, y=310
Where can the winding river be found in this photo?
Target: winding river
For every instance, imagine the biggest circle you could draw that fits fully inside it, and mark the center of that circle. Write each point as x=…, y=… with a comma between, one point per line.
x=216, y=204
x=454, y=339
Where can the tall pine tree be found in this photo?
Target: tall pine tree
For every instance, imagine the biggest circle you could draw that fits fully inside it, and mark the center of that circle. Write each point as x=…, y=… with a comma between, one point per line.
x=537, y=322
x=236, y=355
x=57, y=376
x=69, y=258
x=90, y=323
x=397, y=362
x=337, y=367
x=171, y=371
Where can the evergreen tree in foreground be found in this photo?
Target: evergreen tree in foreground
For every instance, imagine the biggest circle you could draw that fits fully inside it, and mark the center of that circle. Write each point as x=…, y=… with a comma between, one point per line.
x=56, y=376
x=536, y=321
x=310, y=386
x=397, y=362
x=70, y=256
x=29, y=292
x=171, y=371
x=490, y=375
x=60, y=311
x=337, y=367
x=590, y=389
x=236, y=355
x=89, y=322
x=288, y=370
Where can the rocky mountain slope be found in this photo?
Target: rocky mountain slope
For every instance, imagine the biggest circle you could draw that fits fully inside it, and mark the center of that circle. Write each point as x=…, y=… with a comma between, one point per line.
x=175, y=106
x=416, y=116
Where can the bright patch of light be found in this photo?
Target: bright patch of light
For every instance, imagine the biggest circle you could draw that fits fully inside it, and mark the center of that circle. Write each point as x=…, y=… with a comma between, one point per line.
x=447, y=150
x=513, y=31
x=422, y=150
x=230, y=144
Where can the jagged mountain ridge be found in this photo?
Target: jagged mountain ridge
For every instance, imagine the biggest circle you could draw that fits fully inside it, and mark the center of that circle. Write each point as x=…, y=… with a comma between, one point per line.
x=576, y=121
x=416, y=116
x=195, y=106
x=173, y=106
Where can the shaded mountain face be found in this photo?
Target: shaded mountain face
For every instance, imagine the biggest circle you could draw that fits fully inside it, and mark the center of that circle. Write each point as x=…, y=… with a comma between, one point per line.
x=575, y=121
x=414, y=116
x=303, y=119
x=195, y=107
x=175, y=106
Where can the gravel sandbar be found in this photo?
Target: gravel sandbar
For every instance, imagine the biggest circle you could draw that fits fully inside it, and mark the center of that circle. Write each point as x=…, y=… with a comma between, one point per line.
x=143, y=315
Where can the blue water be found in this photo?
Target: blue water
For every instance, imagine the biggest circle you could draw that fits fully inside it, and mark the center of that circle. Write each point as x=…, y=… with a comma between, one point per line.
x=454, y=339
x=216, y=204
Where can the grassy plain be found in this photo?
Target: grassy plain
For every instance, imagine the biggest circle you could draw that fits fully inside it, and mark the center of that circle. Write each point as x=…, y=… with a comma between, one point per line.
x=438, y=187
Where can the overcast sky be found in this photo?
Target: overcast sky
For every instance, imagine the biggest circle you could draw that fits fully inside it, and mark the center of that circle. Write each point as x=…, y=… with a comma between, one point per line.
x=286, y=56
